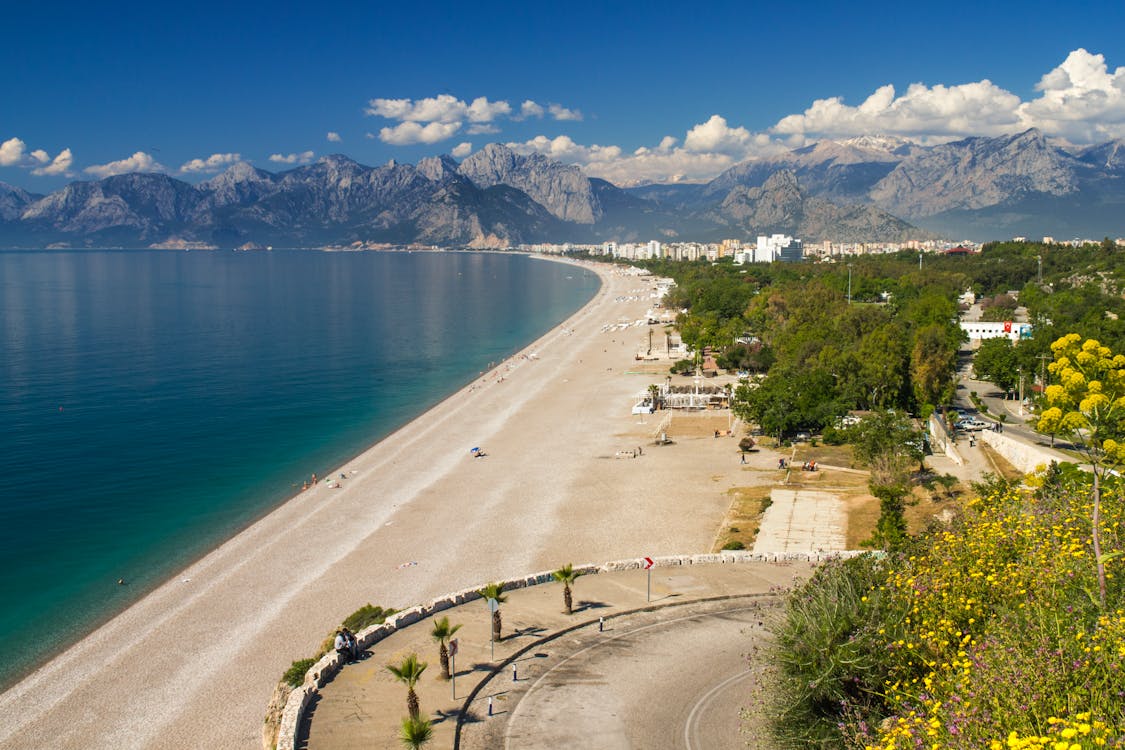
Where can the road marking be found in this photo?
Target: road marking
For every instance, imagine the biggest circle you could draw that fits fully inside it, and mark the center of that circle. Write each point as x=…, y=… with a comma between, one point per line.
x=531, y=688
x=691, y=726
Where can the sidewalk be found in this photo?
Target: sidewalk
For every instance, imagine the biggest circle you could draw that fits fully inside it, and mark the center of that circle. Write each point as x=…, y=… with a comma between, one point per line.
x=363, y=705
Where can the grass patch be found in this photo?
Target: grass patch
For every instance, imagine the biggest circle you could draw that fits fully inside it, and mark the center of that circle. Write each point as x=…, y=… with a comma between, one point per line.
x=366, y=616
x=295, y=675
x=743, y=518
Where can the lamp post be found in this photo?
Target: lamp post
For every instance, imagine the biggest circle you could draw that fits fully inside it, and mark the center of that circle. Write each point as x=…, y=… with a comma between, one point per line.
x=849, y=283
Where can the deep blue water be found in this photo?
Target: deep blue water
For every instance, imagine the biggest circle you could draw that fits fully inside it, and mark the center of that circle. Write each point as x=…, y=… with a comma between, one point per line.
x=154, y=403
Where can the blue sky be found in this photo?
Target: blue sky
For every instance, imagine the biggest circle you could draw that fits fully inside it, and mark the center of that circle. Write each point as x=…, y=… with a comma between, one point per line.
x=94, y=89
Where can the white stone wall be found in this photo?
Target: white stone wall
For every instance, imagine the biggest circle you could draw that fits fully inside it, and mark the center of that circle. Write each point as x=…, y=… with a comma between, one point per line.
x=1026, y=458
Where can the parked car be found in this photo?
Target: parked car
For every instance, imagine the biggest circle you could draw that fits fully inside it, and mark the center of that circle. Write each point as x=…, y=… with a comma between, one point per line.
x=802, y=436
x=973, y=424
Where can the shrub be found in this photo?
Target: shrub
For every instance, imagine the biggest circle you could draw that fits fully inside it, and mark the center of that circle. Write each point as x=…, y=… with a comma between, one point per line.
x=295, y=675
x=683, y=367
x=734, y=544
x=366, y=616
x=834, y=436
x=985, y=634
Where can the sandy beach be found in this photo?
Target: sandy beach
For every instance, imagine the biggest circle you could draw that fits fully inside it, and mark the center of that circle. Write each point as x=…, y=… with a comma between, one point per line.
x=194, y=663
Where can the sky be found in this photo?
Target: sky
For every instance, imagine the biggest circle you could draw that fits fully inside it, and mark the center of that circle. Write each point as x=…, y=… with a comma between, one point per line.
x=633, y=92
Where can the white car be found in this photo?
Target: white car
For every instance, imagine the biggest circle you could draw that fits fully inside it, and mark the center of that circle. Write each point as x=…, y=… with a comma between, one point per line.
x=973, y=424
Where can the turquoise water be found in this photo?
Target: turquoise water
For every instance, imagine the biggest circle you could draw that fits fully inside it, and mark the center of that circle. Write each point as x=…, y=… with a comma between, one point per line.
x=154, y=403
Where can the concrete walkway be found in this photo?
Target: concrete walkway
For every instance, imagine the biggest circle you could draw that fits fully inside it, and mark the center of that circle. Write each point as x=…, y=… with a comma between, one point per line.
x=363, y=705
x=802, y=521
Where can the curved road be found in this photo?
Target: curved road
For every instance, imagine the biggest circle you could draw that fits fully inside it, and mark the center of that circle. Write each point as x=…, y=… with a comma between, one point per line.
x=675, y=678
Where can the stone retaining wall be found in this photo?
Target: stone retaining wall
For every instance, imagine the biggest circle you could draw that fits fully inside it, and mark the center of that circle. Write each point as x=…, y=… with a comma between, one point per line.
x=319, y=673
x=940, y=439
x=1026, y=458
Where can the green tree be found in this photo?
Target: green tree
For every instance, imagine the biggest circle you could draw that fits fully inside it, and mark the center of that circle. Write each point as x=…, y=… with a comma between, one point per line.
x=883, y=365
x=494, y=591
x=1086, y=403
x=415, y=732
x=933, y=363
x=888, y=443
x=408, y=672
x=788, y=399
x=566, y=575
x=998, y=362
x=441, y=634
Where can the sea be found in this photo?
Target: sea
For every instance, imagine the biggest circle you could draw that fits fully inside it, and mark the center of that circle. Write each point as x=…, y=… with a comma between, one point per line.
x=154, y=403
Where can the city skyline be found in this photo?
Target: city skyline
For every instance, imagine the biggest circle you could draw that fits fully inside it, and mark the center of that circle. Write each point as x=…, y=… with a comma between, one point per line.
x=631, y=94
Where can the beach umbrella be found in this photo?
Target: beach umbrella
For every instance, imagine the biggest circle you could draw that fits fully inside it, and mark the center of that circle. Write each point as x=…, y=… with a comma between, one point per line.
x=474, y=450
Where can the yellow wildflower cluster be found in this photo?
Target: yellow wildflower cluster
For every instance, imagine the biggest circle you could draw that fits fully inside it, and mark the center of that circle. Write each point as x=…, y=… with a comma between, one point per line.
x=1079, y=733
x=999, y=633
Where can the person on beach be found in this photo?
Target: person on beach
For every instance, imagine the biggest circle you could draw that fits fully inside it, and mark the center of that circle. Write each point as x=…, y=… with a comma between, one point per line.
x=341, y=646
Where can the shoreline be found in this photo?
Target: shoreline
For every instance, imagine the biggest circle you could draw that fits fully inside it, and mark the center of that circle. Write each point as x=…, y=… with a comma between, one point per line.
x=415, y=517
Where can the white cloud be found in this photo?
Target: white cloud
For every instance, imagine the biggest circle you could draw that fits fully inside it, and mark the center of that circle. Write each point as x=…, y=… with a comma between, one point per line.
x=530, y=109
x=334, y=137
x=407, y=133
x=60, y=165
x=302, y=158
x=439, y=117
x=461, y=150
x=369, y=136
x=560, y=112
x=482, y=129
x=12, y=152
x=443, y=108
x=1080, y=100
x=212, y=164
x=716, y=136
x=138, y=162
x=661, y=163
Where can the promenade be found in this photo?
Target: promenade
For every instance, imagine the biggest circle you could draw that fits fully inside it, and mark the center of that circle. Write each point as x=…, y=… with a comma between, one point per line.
x=625, y=670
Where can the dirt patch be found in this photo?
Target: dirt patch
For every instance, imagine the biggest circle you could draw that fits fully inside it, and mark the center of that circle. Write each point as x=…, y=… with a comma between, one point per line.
x=744, y=516
x=699, y=425
x=834, y=455
x=658, y=369
x=1003, y=467
x=863, y=515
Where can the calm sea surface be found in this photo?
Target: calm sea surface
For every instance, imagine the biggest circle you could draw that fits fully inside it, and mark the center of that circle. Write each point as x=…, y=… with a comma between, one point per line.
x=154, y=403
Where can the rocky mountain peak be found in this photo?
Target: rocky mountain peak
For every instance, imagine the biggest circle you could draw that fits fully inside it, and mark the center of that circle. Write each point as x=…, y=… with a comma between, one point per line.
x=438, y=168
x=563, y=190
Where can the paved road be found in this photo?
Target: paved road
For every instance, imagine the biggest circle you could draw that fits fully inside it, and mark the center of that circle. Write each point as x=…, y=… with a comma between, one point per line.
x=670, y=679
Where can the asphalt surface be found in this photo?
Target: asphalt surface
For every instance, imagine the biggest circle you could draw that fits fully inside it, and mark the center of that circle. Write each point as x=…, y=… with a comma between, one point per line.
x=677, y=678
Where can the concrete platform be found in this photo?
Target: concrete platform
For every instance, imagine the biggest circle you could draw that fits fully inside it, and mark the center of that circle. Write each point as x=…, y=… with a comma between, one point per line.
x=802, y=521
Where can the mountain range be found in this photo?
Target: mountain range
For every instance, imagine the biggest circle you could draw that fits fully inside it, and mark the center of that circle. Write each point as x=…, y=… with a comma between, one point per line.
x=872, y=188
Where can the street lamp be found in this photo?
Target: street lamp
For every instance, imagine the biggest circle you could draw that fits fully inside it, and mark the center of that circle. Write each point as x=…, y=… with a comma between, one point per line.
x=849, y=283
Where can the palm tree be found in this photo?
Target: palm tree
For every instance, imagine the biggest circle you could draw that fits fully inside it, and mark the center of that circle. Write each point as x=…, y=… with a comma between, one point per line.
x=415, y=732
x=441, y=633
x=566, y=575
x=494, y=591
x=654, y=394
x=408, y=672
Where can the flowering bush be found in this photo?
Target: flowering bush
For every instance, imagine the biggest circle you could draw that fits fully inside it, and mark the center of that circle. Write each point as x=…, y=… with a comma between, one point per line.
x=987, y=634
